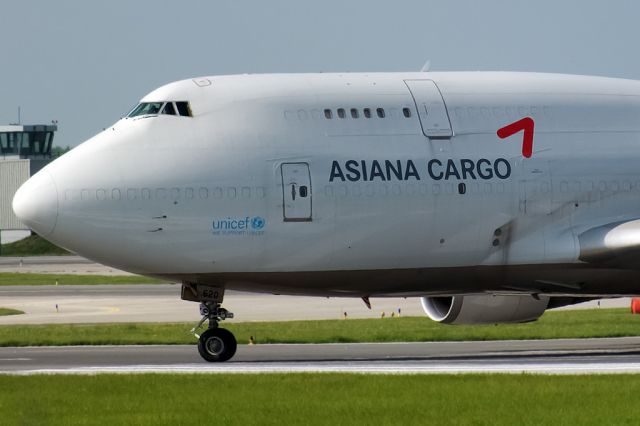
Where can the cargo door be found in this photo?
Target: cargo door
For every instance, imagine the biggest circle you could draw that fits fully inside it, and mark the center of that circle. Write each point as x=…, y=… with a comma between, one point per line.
x=431, y=108
x=296, y=192
x=535, y=188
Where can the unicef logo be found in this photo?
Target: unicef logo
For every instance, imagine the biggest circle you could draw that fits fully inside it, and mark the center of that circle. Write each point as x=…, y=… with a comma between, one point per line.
x=244, y=225
x=257, y=223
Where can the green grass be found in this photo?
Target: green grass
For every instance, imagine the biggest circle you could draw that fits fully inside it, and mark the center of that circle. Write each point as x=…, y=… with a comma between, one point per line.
x=33, y=245
x=11, y=278
x=553, y=325
x=7, y=311
x=319, y=399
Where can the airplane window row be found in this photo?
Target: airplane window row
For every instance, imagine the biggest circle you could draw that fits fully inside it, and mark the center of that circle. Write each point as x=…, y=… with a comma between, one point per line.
x=171, y=194
x=575, y=190
x=385, y=189
x=366, y=113
x=181, y=108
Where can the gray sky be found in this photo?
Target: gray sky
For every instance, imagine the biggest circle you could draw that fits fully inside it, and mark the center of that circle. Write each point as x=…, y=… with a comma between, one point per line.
x=86, y=63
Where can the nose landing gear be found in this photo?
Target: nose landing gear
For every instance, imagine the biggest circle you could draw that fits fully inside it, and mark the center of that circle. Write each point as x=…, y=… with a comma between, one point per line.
x=214, y=344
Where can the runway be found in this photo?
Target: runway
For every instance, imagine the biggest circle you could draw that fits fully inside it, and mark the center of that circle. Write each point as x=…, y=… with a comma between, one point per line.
x=563, y=356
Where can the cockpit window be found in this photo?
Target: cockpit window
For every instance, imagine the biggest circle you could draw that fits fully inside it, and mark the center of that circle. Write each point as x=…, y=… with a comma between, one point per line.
x=146, y=108
x=184, y=109
x=168, y=108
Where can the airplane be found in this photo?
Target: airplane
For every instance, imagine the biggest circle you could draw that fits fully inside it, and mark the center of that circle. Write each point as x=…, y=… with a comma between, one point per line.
x=492, y=196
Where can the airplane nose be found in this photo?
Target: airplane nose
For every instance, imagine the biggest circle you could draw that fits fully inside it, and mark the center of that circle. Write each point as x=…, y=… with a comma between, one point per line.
x=36, y=203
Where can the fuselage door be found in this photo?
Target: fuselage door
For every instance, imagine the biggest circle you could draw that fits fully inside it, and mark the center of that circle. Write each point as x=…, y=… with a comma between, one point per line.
x=535, y=188
x=432, y=110
x=296, y=192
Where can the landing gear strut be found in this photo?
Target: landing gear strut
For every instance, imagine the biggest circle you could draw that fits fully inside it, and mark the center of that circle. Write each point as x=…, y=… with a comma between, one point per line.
x=214, y=344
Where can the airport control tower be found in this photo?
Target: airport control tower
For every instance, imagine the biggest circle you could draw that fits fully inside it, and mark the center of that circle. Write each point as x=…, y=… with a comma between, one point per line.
x=24, y=149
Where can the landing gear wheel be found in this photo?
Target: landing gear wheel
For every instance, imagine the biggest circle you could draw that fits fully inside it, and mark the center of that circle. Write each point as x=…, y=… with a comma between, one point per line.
x=217, y=345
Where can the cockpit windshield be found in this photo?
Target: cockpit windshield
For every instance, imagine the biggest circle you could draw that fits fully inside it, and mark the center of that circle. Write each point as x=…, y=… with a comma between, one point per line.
x=146, y=108
x=168, y=108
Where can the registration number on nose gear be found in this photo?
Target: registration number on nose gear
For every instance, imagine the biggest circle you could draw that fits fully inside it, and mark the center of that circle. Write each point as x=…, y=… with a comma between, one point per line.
x=201, y=292
x=210, y=294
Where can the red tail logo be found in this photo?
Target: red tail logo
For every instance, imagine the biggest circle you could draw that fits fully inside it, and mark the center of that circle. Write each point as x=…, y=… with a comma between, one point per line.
x=526, y=124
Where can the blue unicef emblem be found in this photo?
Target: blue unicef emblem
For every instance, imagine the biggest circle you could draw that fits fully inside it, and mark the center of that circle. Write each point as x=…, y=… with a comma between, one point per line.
x=257, y=223
x=239, y=225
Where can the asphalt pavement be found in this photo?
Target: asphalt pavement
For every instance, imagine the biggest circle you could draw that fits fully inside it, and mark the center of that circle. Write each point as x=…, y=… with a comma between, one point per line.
x=562, y=356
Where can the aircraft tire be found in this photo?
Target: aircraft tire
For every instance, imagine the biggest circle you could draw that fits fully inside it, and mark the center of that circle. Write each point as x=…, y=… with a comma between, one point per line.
x=217, y=345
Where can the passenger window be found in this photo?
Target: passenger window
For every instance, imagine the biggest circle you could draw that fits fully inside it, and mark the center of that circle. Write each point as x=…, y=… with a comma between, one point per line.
x=406, y=112
x=169, y=109
x=341, y=113
x=380, y=112
x=328, y=114
x=184, y=109
x=367, y=112
x=354, y=113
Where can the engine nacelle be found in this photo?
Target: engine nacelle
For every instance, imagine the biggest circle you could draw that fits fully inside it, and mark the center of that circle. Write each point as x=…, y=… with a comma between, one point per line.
x=484, y=309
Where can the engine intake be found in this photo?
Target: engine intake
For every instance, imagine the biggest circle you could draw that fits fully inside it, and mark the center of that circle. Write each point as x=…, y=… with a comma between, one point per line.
x=484, y=309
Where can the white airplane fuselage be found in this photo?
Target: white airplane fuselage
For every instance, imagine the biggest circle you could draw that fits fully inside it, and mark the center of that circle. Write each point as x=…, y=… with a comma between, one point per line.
x=282, y=184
